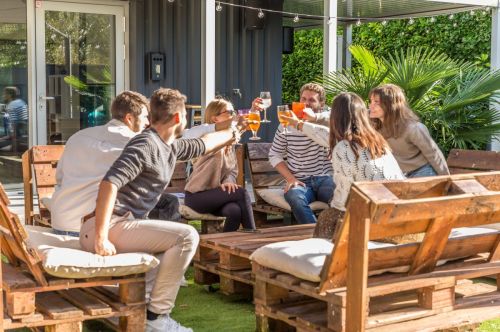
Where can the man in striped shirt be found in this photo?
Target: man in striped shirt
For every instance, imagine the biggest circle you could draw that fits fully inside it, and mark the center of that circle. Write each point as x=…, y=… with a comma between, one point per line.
x=303, y=163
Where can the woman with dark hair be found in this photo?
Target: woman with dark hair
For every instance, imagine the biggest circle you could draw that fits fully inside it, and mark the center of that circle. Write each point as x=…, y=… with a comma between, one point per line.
x=358, y=153
x=412, y=145
x=212, y=187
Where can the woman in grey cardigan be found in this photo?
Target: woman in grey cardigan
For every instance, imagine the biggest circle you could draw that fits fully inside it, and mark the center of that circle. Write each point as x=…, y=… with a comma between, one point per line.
x=414, y=149
x=212, y=187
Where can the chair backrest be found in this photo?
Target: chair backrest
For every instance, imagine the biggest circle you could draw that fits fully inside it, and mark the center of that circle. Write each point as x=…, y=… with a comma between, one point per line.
x=262, y=174
x=14, y=244
x=470, y=161
x=433, y=205
x=40, y=161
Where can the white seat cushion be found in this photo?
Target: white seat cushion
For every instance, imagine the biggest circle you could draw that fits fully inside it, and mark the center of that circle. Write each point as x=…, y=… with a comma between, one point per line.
x=276, y=197
x=305, y=258
x=190, y=214
x=62, y=257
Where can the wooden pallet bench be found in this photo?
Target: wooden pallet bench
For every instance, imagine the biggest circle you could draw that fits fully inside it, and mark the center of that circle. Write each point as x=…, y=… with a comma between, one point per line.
x=265, y=177
x=426, y=298
x=33, y=298
x=470, y=161
x=224, y=258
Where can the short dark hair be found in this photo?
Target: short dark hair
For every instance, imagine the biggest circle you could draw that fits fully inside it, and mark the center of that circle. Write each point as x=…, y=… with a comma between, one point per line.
x=12, y=91
x=128, y=102
x=165, y=103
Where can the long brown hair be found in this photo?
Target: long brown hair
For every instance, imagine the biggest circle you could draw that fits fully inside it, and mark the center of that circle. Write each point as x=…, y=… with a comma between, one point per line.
x=397, y=113
x=349, y=121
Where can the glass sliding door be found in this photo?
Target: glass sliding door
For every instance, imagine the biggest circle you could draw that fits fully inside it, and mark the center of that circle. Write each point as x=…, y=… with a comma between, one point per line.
x=80, y=67
x=14, y=111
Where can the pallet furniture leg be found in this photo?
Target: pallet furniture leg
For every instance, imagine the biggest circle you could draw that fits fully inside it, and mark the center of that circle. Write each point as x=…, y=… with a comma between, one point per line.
x=260, y=218
x=133, y=293
x=135, y=322
x=431, y=298
x=20, y=303
x=266, y=294
x=337, y=313
x=211, y=226
x=233, y=287
x=65, y=327
x=202, y=277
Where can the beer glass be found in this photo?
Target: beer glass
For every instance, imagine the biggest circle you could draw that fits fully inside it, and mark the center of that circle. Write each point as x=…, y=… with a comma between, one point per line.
x=283, y=110
x=254, y=124
x=266, y=103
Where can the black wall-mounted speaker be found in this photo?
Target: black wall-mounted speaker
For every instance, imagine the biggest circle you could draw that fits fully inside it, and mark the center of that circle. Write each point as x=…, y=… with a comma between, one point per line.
x=287, y=40
x=252, y=20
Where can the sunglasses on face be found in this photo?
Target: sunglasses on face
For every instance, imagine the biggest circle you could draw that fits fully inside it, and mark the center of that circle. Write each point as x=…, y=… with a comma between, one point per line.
x=231, y=112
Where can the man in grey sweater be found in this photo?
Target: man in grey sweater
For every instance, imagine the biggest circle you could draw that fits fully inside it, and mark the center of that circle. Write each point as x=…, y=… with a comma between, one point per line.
x=132, y=188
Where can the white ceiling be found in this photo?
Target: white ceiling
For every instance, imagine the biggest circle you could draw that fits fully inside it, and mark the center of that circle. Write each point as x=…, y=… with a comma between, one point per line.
x=372, y=10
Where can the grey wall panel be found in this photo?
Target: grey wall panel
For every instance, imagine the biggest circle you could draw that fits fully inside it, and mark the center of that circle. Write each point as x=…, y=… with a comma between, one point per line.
x=249, y=60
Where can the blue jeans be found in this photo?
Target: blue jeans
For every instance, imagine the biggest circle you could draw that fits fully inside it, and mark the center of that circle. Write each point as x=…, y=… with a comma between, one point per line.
x=318, y=188
x=59, y=232
x=422, y=171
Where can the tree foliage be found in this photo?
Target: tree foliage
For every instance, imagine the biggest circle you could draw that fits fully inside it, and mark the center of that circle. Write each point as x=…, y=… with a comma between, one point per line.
x=464, y=36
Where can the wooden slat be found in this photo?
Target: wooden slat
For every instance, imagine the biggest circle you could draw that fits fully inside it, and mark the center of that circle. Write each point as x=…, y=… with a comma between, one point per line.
x=45, y=175
x=52, y=305
x=14, y=279
x=261, y=166
x=258, y=150
x=47, y=153
x=475, y=160
x=86, y=302
x=267, y=180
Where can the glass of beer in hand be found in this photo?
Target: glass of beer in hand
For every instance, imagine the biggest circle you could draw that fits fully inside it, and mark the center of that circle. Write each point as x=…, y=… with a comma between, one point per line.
x=254, y=124
x=298, y=109
x=283, y=110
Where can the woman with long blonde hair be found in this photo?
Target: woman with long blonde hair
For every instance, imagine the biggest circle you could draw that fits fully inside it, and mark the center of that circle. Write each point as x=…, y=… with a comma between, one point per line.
x=358, y=153
x=212, y=187
x=412, y=145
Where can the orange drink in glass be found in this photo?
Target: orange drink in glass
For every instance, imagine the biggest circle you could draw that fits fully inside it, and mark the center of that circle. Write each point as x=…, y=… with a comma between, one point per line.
x=283, y=110
x=254, y=124
x=298, y=109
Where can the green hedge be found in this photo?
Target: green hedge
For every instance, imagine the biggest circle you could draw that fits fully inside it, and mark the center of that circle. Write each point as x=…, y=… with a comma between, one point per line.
x=464, y=36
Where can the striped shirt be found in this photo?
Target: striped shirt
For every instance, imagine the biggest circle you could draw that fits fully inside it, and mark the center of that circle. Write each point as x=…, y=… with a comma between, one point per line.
x=144, y=169
x=17, y=110
x=302, y=155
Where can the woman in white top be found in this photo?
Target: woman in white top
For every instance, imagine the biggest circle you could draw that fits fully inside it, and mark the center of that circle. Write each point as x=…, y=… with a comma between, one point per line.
x=358, y=153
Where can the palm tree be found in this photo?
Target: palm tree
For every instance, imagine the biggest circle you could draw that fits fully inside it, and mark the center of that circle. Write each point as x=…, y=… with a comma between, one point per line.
x=455, y=99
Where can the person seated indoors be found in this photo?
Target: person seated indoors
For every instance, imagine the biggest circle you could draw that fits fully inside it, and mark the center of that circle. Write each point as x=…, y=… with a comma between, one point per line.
x=412, y=145
x=303, y=163
x=211, y=187
x=357, y=152
x=131, y=189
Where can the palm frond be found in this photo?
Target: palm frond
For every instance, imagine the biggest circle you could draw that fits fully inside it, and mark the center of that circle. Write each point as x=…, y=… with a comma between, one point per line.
x=352, y=80
x=368, y=61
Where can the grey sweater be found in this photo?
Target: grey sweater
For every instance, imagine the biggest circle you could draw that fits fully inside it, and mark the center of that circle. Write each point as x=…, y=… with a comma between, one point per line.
x=144, y=169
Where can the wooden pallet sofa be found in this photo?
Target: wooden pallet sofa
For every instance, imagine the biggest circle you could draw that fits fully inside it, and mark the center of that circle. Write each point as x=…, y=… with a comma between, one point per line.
x=49, y=282
x=267, y=186
x=326, y=287
x=224, y=258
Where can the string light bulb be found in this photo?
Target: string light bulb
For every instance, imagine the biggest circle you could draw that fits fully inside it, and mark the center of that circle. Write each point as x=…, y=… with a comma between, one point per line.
x=296, y=19
x=171, y=1
x=472, y=13
x=384, y=22
x=358, y=23
x=433, y=19
x=451, y=17
x=261, y=14
x=411, y=21
x=218, y=7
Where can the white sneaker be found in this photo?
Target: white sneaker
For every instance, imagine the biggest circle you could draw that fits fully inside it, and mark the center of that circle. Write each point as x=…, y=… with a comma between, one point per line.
x=184, y=282
x=164, y=323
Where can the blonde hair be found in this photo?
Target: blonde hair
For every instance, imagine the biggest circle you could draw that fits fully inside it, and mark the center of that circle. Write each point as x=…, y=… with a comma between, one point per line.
x=215, y=107
x=397, y=114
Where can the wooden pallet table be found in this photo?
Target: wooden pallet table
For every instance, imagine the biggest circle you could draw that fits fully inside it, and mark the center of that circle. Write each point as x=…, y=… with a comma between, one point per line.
x=224, y=258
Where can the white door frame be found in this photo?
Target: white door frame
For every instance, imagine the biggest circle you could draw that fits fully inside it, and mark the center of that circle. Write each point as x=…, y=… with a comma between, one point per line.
x=36, y=38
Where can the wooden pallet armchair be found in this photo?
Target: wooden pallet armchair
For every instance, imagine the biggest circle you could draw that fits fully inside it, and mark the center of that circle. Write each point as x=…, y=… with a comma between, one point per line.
x=470, y=161
x=39, y=175
x=34, y=298
x=267, y=182
x=348, y=297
